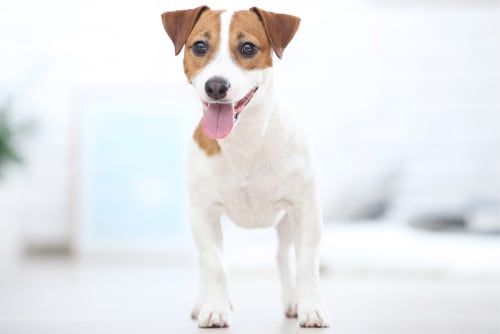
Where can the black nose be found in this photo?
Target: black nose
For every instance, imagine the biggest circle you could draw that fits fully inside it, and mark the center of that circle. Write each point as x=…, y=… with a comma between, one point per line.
x=217, y=88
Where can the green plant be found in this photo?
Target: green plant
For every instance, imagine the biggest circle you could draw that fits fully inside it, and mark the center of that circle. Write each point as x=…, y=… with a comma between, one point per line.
x=9, y=133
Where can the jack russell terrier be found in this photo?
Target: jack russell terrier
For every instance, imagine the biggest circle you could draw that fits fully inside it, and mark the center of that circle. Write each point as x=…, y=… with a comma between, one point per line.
x=249, y=160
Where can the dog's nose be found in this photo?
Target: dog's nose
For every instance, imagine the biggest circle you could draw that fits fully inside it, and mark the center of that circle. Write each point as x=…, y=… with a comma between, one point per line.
x=217, y=87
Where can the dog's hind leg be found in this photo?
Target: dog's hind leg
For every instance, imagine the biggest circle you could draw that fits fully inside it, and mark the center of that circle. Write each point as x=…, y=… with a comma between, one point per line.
x=284, y=257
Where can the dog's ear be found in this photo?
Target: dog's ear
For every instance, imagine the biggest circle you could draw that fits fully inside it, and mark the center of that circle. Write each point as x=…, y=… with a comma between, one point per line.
x=179, y=24
x=280, y=28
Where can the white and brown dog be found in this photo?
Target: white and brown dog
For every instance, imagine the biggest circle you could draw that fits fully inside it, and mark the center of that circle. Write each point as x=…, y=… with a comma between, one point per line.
x=249, y=160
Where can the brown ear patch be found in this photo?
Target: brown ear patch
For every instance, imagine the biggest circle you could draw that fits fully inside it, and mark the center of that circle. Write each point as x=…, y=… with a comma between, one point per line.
x=247, y=27
x=210, y=146
x=179, y=24
x=206, y=29
x=280, y=28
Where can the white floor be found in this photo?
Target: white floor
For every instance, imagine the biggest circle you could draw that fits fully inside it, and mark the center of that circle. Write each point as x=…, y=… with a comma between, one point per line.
x=61, y=297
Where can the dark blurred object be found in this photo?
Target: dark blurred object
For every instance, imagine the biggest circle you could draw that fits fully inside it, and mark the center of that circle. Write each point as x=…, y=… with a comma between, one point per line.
x=479, y=216
x=8, y=152
x=439, y=221
x=10, y=132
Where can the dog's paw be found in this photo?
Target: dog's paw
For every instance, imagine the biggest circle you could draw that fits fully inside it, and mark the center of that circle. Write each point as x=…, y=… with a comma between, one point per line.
x=313, y=313
x=291, y=310
x=195, y=312
x=214, y=314
x=290, y=304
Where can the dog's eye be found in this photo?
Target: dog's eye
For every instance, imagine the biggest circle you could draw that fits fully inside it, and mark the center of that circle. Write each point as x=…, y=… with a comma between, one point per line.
x=199, y=48
x=248, y=50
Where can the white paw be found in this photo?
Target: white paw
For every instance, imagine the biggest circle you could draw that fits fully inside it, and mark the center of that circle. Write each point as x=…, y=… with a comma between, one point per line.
x=291, y=310
x=214, y=314
x=313, y=313
x=290, y=304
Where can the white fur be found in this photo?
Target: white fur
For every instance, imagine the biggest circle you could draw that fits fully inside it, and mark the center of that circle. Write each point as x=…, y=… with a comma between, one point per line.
x=263, y=177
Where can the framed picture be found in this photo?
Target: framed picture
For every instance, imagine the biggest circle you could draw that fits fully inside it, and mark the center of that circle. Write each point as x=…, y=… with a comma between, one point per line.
x=131, y=179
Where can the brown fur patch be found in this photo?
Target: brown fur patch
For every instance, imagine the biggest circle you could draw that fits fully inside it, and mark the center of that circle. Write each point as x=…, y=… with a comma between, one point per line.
x=178, y=25
x=247, y=27
x=280, y=28
x=206, y=29
x=210, y=146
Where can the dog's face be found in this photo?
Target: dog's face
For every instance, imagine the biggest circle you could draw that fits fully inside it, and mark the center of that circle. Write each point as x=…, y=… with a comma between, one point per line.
x=227, y=57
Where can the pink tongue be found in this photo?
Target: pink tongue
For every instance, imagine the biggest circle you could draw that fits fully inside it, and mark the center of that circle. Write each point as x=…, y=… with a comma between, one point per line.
x=218, y=120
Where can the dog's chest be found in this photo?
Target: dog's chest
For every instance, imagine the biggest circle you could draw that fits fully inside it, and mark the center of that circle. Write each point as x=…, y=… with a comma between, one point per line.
x=254, y=200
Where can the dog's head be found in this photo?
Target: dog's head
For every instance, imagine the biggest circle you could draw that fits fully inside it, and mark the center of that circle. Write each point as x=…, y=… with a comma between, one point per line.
x=227, y=57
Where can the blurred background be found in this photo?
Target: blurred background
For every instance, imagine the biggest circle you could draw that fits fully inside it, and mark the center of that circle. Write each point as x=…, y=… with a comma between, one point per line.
x=403, y=109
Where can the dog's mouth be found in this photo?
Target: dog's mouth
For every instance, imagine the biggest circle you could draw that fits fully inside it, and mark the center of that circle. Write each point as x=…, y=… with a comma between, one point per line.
x=220, y=117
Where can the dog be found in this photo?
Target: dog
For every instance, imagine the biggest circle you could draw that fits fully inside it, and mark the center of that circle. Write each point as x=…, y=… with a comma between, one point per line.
x=249, y=160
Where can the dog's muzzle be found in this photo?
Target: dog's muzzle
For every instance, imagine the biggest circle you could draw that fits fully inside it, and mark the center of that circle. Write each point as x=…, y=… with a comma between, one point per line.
x=219, y=117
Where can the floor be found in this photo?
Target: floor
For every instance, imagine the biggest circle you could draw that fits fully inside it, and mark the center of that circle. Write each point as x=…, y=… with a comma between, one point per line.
x=61, y=297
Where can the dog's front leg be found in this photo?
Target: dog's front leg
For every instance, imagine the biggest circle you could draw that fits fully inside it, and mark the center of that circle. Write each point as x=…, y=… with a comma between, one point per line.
x=308, y=223
x=214, y=307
